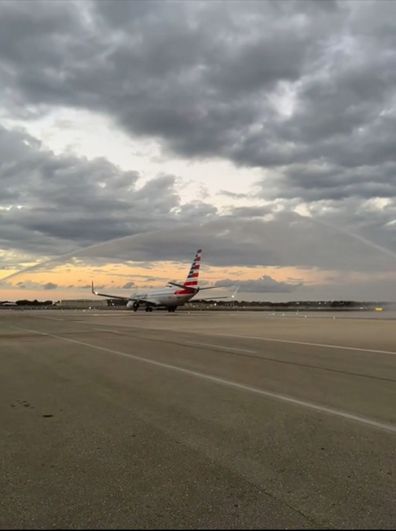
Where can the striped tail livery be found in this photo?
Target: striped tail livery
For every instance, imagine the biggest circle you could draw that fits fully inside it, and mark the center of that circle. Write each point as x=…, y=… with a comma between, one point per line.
x=192, y=277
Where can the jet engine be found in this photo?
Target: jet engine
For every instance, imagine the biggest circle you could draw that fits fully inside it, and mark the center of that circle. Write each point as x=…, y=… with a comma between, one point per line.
x=132, y=305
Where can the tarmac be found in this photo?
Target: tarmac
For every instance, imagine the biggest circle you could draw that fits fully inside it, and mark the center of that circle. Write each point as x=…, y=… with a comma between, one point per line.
x=116, y=419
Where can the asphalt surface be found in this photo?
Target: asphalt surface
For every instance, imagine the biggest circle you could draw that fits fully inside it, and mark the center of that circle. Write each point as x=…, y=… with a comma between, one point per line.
x=196, y=420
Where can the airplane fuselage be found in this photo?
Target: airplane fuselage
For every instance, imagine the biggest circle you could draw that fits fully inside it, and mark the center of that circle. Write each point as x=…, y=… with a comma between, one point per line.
x=168, y=297
x=173, y=295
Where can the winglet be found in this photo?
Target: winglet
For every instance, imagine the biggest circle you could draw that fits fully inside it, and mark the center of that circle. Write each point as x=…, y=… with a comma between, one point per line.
x=92, y=288
x=235, y=292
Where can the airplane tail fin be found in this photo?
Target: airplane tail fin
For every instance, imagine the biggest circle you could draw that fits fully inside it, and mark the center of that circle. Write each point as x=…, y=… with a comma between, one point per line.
x=192, y=277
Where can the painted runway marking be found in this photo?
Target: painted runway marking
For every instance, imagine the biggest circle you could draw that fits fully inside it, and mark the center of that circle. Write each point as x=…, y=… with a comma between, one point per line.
x=229, y=383
x=322, y=345
x=51, y=318
x=255, y=354
x=249, y=353
x=291, y=341
x=217, y=347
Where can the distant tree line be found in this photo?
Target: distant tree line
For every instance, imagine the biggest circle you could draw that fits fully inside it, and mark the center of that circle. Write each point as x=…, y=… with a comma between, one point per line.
x=291, y=304
x=25, y=302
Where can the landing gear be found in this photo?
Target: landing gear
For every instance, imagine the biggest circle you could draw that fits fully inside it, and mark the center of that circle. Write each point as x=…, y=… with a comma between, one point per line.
x=149, y=309
x=135, y=306
x=171, y=309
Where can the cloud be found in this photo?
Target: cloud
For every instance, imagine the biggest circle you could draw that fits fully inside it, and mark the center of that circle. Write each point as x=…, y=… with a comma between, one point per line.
x=92, y=212
x=50, y=286
x=51, y=203
x=29, y=284
x=284, y=240
x=304, y=88
x=128, y=285
x=233, y=195
x=264, y=284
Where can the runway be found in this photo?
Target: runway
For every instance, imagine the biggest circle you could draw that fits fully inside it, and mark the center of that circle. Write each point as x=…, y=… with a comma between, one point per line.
x=112, y=419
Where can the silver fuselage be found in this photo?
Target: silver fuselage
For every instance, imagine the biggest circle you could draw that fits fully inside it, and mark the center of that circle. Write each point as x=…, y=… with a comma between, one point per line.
x=164, y=296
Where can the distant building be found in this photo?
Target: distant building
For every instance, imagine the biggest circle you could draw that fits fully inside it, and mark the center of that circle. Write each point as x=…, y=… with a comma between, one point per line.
x=81, y=303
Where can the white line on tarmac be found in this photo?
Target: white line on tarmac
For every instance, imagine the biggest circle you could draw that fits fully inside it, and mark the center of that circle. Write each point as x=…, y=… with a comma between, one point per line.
x=278, y=340
x=109, y=330
x=229, y=383
x=219, y=347
x=191, y=343
x=322, y=345
x=295, y=342
x=51, y=318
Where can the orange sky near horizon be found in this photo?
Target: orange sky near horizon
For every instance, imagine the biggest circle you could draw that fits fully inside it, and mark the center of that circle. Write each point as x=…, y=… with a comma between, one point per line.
x=73, y=281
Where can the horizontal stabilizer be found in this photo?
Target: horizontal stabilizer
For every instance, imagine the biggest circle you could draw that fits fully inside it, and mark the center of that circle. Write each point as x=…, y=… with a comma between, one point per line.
x=182, y=286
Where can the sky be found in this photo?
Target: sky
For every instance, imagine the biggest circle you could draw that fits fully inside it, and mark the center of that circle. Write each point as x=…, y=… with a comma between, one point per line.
x=134, y=133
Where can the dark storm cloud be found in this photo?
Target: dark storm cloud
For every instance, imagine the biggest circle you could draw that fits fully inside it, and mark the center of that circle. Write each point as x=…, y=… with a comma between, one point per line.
x=51, y=203
x=366, y=220
x=285, y=240
x=311, y=182
x=205, y=78
x=251, y=211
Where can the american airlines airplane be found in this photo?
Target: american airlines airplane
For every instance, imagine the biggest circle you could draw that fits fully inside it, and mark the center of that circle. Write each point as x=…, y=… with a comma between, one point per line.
x=171, y=297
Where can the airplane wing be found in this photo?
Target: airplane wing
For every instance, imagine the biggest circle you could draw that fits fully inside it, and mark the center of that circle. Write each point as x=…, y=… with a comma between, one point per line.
x=183, y=286
x=214, y=299
x=110, y=296
x=149, y=302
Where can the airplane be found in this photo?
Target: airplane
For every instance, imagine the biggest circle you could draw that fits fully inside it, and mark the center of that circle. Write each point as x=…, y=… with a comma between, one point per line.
x=170, y=297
